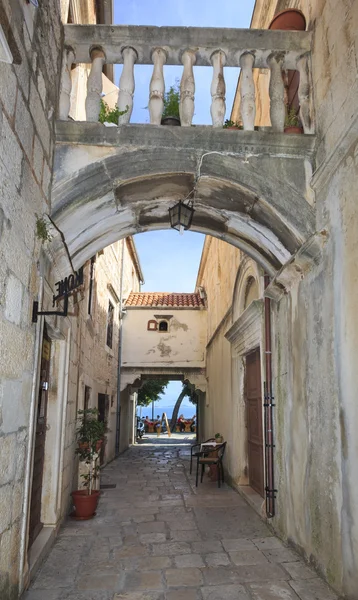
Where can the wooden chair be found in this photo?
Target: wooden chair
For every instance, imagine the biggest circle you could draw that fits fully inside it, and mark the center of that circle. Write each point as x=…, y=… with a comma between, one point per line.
x=195, y=453
x=216, y=459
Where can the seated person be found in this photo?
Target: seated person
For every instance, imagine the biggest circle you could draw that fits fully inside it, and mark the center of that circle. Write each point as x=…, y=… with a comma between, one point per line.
x=181, y=423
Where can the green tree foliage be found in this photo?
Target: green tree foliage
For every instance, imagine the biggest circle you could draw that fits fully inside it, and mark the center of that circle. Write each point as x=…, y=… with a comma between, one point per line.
x=151, y=390
x=171, y=101
x=110, y=115
x=186, y=391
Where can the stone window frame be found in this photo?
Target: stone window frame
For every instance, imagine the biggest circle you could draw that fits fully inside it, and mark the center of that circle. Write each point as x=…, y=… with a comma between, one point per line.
x=247, y=270
x=110, y=324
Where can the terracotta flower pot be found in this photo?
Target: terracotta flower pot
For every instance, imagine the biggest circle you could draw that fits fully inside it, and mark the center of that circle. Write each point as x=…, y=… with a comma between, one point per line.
x=99, y=445
x=173, y=121
x=289, y=19
x=293, y=129
x=85, y=504
x=83, y=446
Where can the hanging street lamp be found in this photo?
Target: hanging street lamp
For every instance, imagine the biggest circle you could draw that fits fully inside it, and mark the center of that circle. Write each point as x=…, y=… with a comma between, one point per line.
x=181, y=215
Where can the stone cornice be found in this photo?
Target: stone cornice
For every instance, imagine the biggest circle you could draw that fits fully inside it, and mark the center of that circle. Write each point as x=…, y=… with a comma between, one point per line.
x=297, y=267
x=200, y=137
x=205, y=40
x=245, y=320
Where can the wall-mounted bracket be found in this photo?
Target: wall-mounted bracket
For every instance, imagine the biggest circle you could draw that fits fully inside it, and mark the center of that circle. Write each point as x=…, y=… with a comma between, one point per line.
x=59, y=313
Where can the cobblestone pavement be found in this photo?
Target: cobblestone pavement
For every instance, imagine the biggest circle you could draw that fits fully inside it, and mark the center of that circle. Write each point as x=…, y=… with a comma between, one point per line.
x=156, y=537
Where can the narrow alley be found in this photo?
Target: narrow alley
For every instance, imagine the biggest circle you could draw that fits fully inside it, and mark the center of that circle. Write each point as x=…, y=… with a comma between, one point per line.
x=157, y=537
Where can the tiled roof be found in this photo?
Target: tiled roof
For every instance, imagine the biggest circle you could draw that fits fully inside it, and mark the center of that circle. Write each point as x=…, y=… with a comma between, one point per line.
x=164, y=299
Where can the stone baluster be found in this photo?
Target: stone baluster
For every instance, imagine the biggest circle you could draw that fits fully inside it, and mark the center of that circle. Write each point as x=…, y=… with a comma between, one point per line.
x=157, y=87
x=127, y=84
x=304, y=94
x=187, y=89
x=66, y=84
x=248, y=106
x=94, y=85
x=218, y=89
x=277, y=93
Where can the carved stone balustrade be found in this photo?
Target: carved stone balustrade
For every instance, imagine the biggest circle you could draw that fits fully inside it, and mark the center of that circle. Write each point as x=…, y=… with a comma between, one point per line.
x=208, y=47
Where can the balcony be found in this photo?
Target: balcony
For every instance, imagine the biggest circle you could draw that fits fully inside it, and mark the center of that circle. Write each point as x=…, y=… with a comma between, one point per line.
x=251, y=187
x=188, y=46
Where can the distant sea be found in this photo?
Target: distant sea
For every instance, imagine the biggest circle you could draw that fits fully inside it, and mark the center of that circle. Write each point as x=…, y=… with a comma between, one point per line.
x=187, y=411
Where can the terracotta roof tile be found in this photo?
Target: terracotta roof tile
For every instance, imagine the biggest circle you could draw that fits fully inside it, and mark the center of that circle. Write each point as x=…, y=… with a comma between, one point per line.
x=163, y=299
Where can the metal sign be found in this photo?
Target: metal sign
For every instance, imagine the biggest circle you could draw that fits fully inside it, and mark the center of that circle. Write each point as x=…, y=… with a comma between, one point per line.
x=64, y=288
x=68, y=285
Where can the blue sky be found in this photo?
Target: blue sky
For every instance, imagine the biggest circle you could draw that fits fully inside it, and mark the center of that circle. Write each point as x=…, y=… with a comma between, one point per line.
x=170, y=262
x=188, y=13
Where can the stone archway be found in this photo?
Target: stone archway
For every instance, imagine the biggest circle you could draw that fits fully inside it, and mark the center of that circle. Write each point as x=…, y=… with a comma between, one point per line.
x=254, y=194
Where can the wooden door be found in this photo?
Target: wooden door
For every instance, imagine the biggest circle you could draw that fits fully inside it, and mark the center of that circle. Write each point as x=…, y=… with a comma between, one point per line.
x=254, y=422
x=40, y=438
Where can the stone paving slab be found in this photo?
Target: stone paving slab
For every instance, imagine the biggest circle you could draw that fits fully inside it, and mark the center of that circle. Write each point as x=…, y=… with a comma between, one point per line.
x=158, y=537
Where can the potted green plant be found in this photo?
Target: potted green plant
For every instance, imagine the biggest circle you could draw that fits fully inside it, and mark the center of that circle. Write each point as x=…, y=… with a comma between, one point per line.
x=232, y=124
x=292, y=122
x=90, y=436
x=171, y=99
x=110, y=115
x=218, y=438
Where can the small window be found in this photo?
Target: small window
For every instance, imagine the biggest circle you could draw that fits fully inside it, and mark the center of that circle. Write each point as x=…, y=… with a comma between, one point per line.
x=87, y=397
x=91, y=285
x=251, y=292
x=110, y=315
x=152, y=325
x=163, y=326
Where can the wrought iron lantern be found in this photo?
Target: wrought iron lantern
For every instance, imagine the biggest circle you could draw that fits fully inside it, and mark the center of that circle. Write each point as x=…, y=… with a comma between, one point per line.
x=181, y=215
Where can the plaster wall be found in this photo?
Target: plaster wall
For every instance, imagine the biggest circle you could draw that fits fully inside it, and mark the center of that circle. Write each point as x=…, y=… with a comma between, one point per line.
x=224, y=272
x=217, y=272
x=183, y=345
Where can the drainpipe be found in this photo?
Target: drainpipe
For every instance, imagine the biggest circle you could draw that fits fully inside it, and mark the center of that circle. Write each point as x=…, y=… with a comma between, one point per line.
x=268, y=412
x=30, y=446
x=118, y=414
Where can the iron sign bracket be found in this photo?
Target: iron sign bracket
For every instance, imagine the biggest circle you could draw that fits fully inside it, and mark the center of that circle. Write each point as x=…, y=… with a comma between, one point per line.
x=59, y=313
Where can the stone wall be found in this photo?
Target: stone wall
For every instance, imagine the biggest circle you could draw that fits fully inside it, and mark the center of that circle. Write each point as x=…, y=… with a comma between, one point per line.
x=316, y=329
x=28, y=101
x=28, y=271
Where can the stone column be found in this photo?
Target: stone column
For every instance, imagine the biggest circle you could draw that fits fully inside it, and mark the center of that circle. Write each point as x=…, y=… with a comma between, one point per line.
x=66, y=84
x=218, y=89
x=127, y=84
x=276, y=91
x=187, y=89
x=248, y=106
x=157, y=87
x=304, y=94
x=94, y=85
